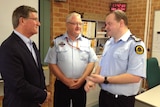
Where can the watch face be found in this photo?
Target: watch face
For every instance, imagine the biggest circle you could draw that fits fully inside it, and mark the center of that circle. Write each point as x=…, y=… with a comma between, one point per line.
x=105, y=80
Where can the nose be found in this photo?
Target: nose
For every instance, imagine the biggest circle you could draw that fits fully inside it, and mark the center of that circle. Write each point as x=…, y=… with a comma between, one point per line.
x=38, y=23
x=106, y=26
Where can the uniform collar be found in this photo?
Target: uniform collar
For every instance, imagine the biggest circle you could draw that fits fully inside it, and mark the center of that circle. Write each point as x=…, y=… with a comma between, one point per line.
x=78, y=38
x=123, y=38
x=126, y=36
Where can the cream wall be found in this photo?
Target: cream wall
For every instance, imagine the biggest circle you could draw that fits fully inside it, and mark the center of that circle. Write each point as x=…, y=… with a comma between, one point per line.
x=6, y=9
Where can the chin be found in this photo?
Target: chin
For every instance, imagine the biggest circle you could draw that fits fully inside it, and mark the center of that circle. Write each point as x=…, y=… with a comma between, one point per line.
x=77, y=33
x=35, y=32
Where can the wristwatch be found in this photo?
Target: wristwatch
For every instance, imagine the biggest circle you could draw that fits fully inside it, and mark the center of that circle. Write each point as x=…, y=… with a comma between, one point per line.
x=105, y=80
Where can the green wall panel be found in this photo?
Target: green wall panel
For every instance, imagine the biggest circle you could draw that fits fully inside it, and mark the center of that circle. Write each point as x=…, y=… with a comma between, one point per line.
x=44, y=7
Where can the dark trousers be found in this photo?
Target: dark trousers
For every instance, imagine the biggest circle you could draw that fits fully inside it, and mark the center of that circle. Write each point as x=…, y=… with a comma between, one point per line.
x=107, y=99
x=63, y=95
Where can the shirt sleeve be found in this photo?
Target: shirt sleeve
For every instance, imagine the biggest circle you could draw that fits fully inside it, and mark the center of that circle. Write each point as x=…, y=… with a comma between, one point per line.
x=93, y=56
x=137, y=60
x=51, y=56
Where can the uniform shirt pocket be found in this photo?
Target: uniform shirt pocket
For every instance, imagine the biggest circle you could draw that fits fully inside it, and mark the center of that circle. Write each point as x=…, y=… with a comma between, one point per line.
x=121, y=54
x=61, y=52
x=84, y=54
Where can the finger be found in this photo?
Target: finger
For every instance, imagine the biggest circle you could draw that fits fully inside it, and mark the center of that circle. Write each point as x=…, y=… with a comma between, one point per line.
x=93, y=75
x=86, y=88
x=91, y=79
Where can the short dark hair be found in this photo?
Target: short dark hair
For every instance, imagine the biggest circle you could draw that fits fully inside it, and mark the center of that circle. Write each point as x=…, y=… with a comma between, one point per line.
x=119, y=14
x=21, y=11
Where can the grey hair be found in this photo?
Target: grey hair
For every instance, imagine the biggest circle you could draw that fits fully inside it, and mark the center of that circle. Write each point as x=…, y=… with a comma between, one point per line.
x=69, y=17
x=21, y=11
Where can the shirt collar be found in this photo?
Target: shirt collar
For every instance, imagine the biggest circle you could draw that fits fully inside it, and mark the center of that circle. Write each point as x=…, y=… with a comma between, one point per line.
x=24, y=38
x=126, y=36
x=78, y=38
x=123, y=38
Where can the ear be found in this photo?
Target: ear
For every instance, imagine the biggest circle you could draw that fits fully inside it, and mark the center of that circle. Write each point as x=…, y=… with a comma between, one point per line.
x=121, y=22
x=21, y=20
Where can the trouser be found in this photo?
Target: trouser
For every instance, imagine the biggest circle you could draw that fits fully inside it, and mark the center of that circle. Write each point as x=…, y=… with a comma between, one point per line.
x=63, y=96
x=107, y=99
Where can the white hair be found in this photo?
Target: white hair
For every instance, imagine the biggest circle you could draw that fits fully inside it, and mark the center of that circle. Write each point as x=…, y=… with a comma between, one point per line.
x=69, y=17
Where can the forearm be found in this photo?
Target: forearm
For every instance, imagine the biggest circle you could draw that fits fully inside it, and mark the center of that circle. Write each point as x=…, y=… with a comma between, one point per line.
x=98, y=69
x=118, y=79
x=124, y=79
x=88, y=70
x=57, y=72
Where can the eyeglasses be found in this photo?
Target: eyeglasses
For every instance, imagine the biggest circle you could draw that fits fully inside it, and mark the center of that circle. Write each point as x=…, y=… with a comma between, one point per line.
x=35, y=19
x=75, y=24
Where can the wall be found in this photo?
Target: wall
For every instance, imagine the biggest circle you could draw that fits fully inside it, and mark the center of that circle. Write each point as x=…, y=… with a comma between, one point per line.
x=155, y=6
x=156, y=36
x=8, y=7
x=97, y=10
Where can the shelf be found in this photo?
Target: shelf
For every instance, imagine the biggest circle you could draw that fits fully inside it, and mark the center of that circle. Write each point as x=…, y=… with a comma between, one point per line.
x=102, y=37
x=95, y=31
x=101, y=33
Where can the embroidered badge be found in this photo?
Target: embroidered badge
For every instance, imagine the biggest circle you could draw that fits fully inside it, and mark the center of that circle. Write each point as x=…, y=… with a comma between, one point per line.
x=139, y=49
x=61, y=44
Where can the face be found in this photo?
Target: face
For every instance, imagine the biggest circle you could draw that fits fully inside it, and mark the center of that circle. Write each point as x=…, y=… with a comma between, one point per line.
x=74, y=26
x=31, y=24
x=112, y=26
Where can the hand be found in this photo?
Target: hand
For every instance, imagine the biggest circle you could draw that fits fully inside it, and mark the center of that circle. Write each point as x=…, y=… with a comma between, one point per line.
x=48, y=98
x=89, y=85
x=77, y=83
x=70, y=82
x=96, y=78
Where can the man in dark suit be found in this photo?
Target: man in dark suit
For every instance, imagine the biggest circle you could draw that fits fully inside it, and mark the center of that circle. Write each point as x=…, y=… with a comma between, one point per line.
x=20, y=66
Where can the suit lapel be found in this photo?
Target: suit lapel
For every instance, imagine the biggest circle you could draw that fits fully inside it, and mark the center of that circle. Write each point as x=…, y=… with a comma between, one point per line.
x=24, y=46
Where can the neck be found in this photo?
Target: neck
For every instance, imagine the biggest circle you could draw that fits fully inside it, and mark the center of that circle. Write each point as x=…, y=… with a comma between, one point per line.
x=120, y=34
x=72, y=37
x=23, y=32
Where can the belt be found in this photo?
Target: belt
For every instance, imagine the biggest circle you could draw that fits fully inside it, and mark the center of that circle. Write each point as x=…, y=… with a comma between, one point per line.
x=115, y=95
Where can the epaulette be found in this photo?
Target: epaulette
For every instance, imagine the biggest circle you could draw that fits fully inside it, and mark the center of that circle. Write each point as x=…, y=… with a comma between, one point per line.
x=85, y=37
x=135, y=38
x=58, y=36
x=52, y=43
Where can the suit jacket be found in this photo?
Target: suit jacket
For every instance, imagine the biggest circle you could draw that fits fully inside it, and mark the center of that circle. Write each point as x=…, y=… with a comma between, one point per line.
x=24, y=81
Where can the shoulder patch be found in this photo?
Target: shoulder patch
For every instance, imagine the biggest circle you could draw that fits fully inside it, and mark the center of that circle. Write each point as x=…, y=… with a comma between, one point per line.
x=139, y=49
x=135, y=38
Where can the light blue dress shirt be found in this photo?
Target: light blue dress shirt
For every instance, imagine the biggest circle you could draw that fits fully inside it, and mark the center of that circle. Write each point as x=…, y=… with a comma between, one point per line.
x=71, y=57
x=28, y=43
x=121, y=57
